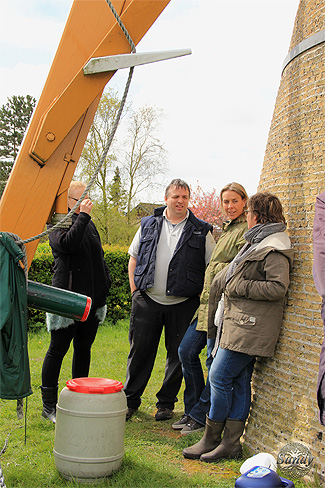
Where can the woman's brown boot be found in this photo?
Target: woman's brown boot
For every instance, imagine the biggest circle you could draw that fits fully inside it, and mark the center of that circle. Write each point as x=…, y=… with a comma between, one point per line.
x=230, y=446
x=210, y=440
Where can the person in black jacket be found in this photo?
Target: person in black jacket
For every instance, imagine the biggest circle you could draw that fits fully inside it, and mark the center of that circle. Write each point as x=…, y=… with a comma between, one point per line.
x=79, y=266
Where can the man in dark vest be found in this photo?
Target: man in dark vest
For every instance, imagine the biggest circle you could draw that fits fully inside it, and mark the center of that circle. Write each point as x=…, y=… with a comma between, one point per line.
x=168, y=257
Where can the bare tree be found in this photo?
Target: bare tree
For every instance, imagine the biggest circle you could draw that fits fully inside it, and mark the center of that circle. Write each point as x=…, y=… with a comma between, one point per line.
x=97, y=139
x=134, y=161
x=144, y=155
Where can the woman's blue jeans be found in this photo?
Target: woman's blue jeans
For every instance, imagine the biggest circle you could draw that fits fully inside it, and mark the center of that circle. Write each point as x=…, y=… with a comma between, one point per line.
x=197, y=392
x=230, y=382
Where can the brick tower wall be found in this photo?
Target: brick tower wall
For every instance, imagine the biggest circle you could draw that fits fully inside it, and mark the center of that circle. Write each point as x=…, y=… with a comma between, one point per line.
x=284, y=407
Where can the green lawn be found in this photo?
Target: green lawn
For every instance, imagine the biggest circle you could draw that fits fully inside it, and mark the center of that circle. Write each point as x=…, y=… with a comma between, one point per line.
x=153, y=450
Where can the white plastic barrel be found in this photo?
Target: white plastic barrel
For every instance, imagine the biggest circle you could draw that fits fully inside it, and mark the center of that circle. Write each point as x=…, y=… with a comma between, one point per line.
x=89, y=430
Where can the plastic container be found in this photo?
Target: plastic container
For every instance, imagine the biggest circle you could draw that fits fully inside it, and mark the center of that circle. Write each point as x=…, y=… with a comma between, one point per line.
x=262, y=477
x=89, y=430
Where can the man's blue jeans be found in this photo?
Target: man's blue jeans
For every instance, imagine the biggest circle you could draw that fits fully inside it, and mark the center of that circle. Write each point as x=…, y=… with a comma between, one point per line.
x=197, y=392
x=230, y=381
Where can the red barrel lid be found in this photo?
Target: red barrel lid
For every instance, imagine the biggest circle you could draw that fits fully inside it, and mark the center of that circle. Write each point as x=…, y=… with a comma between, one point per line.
x=94, y=385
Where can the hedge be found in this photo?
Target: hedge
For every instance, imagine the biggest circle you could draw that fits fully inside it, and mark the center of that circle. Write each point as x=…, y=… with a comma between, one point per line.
x=119, y=298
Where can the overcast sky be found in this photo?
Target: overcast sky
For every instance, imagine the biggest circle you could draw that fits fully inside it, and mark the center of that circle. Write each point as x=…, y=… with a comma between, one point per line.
x=218, y=102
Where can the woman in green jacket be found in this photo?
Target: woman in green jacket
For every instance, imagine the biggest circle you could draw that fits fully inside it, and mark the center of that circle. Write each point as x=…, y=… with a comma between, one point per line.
x=254, y=286
x=233, y=198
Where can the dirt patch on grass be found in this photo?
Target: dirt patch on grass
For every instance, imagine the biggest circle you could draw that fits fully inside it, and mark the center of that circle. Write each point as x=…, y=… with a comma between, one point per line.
x=172, y=434
x=195, y=466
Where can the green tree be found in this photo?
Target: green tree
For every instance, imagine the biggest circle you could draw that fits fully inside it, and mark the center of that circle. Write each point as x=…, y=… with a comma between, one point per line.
x=120, y=233
x=14, y=118
x=116, y=192
x=144, y=155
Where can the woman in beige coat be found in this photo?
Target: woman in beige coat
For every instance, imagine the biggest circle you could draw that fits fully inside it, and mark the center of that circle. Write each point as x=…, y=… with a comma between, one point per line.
x=250, y=295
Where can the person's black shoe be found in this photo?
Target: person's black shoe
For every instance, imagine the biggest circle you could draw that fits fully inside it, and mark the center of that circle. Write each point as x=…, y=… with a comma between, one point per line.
x=130, y=412
x=164, y=414
x=191, y=427
x=181, y=422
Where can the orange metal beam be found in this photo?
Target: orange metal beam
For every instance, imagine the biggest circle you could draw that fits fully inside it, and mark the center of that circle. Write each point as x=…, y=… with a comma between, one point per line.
x=66, y=109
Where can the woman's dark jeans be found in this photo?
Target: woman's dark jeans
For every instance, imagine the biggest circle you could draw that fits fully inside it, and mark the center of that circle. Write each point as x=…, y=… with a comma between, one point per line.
x=230, y=381
x=197, y=392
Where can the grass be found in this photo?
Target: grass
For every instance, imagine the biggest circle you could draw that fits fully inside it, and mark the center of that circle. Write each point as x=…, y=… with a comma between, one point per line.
x=153, y=450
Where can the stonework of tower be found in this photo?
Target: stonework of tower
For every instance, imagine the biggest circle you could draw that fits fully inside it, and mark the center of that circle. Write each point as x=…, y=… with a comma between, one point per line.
x=284, y=408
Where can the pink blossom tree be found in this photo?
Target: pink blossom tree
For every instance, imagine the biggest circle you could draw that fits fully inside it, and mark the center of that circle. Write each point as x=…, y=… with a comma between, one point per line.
x=206, y=206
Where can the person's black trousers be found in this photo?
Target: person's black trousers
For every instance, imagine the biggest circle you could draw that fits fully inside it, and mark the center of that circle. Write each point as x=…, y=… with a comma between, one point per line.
x=146, y=324
x=83, y=335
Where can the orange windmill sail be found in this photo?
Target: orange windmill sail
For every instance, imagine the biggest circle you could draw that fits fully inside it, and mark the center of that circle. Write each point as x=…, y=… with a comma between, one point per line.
x=45, y=165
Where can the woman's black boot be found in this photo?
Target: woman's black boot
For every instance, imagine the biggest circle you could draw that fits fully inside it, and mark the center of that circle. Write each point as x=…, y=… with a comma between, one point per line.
x=49, y=399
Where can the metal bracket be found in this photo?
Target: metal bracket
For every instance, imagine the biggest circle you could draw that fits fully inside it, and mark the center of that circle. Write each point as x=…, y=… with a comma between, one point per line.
x=120, y=61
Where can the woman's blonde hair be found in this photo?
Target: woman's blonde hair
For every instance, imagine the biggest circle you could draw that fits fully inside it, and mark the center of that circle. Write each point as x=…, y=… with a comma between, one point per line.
x=237, y=188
